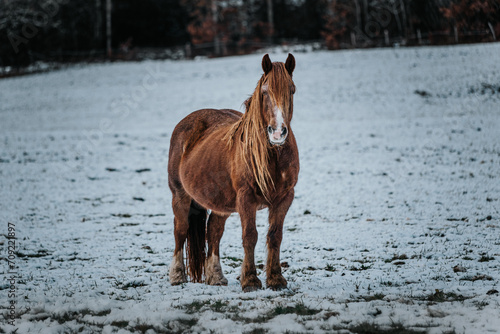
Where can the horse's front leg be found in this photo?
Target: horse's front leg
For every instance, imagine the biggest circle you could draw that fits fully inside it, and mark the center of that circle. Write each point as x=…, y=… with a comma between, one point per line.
x=277, y=213
x=247, y=209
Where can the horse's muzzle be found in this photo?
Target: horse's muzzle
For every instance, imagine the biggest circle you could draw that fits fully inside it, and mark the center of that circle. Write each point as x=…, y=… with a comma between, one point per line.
x=277, y=136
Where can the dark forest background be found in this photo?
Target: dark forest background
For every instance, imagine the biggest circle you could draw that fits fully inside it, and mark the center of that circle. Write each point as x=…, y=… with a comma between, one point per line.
x=76, y=30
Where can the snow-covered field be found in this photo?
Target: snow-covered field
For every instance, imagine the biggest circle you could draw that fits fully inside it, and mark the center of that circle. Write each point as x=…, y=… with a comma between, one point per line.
x=395, y=225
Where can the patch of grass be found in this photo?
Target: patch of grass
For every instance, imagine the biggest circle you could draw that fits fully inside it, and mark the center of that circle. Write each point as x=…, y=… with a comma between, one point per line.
x=478, y=277
x=330, y=314
x=235, y=262
x=65, y=317
x=188, y=322
x=390, y=284
x=121, y=215
x=440, y=296
x=77, y=315
x=362, y=268
x=178, y=326
x=299, y=309
x=120, y=324
x=422, y=93
x=143, y=327
x=196, y=306
x=40, y=253
x=397, y=257
x=371, y=328
x=330, y=267
x=87, y=311
x=480, y=304
x=486, y=258
x=219, y=306
x=362, y=261
x=377, y=296
x=132, y=284
x=256, y=331
x=128, y=224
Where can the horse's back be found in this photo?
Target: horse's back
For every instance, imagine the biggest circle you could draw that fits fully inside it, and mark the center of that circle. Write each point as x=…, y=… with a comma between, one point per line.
x=204, y=120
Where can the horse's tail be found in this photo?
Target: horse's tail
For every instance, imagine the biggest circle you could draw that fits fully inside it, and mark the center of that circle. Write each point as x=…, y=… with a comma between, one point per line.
x=196, y=242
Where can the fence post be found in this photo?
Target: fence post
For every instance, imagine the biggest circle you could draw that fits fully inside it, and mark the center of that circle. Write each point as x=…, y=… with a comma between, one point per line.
x=109, y=8
x=386, y=34
x=214, y=22
x=224, y=48
x=353, y=39
x=419, y=36
x=492, y=31
x=455, y=29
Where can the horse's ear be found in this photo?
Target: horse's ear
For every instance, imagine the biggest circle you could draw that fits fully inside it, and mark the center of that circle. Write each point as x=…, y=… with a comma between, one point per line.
x=290, y=63
x=267, y=65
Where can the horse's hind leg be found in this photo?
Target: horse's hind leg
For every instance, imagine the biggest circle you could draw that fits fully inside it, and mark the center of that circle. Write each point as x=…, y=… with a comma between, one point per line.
x=180, y=205
x=213, y=269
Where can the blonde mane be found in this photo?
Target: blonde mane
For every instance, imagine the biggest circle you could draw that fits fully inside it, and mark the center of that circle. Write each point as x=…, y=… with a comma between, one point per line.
x=254, y=146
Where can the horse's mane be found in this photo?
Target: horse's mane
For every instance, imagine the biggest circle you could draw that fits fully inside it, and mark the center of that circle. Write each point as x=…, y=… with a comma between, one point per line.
x=249, y=133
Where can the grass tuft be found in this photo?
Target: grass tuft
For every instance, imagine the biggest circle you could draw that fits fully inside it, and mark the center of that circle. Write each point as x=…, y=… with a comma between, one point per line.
x=371, y=328
x=299, y=309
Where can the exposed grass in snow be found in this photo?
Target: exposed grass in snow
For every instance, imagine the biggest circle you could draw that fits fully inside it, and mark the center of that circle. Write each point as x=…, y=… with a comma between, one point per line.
x=394, y=228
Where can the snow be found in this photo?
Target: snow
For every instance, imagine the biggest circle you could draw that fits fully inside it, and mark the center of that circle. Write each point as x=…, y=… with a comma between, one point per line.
x=401, y=187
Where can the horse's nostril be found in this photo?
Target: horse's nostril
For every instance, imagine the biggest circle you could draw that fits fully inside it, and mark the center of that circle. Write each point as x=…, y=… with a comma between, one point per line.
x=284, y=131
x=270, y=129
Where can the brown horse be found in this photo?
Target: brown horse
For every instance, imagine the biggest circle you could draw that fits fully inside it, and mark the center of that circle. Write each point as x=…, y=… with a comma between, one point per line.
x=225, y=161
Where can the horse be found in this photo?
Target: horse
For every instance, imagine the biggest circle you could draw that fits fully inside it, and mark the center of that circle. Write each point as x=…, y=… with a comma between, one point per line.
x=223, y=161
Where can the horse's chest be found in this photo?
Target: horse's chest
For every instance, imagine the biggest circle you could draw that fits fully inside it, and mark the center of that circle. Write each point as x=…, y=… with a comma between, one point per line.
x=284, y=175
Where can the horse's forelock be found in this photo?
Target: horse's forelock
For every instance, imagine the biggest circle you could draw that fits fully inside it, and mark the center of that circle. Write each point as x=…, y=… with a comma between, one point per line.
x=280, y=84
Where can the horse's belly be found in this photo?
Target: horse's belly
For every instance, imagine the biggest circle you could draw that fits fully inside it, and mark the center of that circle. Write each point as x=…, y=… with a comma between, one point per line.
x=208, y=181
x=212, y=195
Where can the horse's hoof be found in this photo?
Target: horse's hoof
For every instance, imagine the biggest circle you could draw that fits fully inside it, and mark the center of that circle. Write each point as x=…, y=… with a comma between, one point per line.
x=174, y=283
x=223, y=281
x=217, y=282
x=251, y=289
x=251, y=283
x=177, y=276
x=277, y=287
x=276, y=283
x=213, y=272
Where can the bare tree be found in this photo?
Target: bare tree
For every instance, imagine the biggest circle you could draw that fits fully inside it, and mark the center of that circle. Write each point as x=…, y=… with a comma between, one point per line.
x=98, y=22
x=109, y=9
x=270, y=19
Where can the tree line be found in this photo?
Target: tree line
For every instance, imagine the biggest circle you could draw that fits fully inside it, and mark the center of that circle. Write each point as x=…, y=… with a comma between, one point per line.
x=65, y=30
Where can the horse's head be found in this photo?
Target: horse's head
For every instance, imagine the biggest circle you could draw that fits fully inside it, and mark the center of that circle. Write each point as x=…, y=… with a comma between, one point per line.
x=277, y=91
